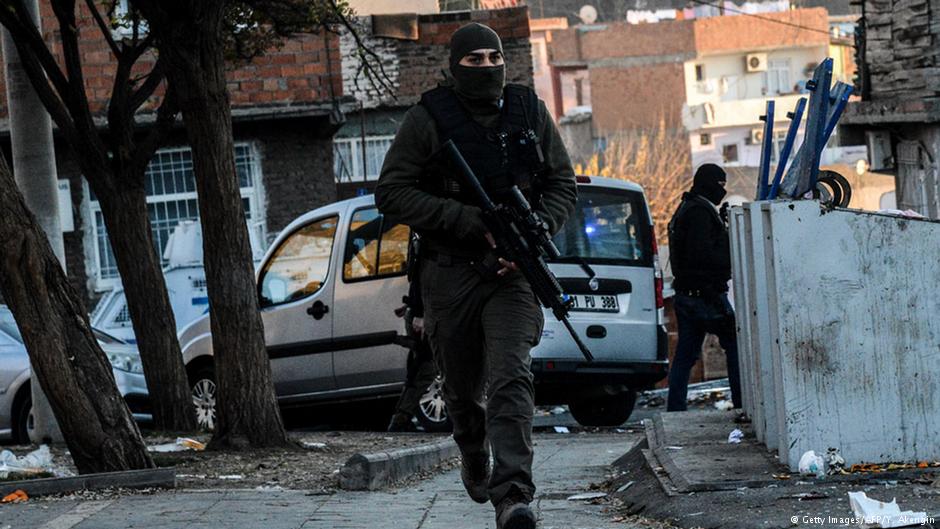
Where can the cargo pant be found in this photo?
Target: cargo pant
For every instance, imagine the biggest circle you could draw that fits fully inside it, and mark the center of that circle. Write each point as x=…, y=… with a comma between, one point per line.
x=481, y=332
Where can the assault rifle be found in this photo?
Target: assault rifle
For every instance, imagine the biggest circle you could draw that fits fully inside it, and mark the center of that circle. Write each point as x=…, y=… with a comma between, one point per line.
x=523, y=238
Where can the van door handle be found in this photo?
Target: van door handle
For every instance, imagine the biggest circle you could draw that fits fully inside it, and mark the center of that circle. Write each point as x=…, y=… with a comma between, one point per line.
x=318, y=310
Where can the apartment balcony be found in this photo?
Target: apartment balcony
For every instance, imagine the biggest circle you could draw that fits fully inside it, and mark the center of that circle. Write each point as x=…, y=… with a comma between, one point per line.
x=738, y=113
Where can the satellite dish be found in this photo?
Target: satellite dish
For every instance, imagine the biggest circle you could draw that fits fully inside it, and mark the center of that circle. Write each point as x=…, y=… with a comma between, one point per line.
x=588, y=14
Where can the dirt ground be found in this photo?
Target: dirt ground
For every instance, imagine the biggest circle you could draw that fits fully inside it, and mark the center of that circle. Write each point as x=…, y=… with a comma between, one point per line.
x=314, y=468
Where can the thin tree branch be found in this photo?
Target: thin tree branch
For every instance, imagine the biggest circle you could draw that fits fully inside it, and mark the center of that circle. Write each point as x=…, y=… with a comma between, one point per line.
x=154, y=78
x=103, y=26
x=17, y=20
x=76, y=99
x=46, y=94
x=166, y=118
x=385, y=82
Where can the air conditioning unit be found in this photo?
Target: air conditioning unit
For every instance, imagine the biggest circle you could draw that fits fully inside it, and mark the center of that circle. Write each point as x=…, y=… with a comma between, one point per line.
x=755, y=62
x=756, y=137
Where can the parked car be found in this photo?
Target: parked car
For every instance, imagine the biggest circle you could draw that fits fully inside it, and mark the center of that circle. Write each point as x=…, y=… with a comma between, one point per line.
x=16, y=399
x=329, y=283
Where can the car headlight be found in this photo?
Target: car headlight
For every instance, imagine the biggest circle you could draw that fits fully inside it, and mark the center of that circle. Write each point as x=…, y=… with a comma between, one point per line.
x=126, y=361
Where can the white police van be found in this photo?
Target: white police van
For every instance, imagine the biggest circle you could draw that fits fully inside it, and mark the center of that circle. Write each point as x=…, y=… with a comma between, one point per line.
x=329, y=283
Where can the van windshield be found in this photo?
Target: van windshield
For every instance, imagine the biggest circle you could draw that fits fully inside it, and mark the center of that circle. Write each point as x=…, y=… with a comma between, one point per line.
x=608, y=226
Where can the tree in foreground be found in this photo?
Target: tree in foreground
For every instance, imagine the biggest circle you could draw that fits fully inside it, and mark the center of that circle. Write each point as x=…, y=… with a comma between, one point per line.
x=113, y=159
x=194, y=40
x=68, y=362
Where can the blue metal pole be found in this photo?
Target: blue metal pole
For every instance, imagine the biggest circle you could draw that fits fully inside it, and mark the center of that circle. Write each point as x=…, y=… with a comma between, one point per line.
x=767, y=149
x=796, y=117
x=805, y=168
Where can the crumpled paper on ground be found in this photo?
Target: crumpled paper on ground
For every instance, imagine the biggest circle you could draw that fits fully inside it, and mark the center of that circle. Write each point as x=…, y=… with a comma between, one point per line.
x=873, y=513
x=181, y=444
x=35, y=462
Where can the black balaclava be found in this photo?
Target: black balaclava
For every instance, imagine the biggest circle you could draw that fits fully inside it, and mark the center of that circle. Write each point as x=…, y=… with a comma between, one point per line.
x=709, y=182
x=480, y=87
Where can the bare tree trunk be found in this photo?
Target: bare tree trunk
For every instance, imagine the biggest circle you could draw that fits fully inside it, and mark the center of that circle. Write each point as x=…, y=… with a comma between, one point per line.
x=125, y=216
x=114, y=164
x=68, y=362
x=34, y=163
x=189, y=38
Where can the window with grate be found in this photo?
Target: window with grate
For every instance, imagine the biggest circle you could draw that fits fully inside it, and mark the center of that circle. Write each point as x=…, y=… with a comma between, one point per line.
x=171, y=199
x=347, y=158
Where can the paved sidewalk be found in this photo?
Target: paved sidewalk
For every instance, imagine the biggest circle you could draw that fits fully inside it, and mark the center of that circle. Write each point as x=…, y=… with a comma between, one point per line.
x=565, y=465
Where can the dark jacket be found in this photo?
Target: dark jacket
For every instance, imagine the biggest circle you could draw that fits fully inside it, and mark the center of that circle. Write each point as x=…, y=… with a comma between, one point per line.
x=400, y=196
x=699, y=247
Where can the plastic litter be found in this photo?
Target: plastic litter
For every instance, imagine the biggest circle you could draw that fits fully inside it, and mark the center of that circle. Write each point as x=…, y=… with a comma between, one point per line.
x=874, y=513
x=587, y=496
x=35, y=462
x=735, y=436
x=812, y=464
x=625, y=486
x=907, y=213
x=834, y=462
x=16, y=496
x=558, y=410
x=562, y=429
x=724, y=405
x=181, y=444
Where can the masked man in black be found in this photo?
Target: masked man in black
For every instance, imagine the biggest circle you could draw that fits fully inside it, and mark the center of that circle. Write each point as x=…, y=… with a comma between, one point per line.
x=700, y=253
x=481, y=320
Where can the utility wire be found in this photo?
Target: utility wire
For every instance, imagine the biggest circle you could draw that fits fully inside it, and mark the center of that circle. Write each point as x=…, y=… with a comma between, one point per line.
x=766, y=19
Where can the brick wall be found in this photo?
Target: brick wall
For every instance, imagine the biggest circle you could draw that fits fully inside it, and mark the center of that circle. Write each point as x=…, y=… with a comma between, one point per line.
x=414, y=66
x=743, y=33
x=636, y=97
x=297, y=73
x=700, y=36
x=297, y=169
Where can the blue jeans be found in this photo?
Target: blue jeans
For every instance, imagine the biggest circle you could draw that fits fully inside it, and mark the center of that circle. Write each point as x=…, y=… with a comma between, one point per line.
x=696, y=317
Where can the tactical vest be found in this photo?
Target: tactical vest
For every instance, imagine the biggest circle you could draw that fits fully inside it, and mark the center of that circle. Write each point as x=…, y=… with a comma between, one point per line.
x=502, y=156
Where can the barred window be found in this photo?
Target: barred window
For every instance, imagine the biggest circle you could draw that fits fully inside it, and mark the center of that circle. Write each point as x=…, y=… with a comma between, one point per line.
x=171, y=199
x=347, y=158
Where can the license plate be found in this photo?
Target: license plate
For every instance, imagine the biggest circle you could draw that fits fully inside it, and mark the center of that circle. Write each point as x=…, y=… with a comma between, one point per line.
x=594, y=303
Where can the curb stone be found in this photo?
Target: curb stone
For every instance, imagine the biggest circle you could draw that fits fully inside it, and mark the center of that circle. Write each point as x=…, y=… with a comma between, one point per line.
x=380, y=469
x=130, y=479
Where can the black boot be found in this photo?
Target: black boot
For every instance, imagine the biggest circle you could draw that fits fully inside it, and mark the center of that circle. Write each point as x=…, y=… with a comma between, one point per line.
x=401, y=423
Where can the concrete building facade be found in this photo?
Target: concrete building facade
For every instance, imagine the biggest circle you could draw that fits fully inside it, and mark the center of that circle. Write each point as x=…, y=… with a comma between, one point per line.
x=709, y=77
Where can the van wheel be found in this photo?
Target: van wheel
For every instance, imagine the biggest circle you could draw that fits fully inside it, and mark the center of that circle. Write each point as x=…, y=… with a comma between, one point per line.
x=202, y=385
x=432, y=412
x=604, y=410
x=22, y=418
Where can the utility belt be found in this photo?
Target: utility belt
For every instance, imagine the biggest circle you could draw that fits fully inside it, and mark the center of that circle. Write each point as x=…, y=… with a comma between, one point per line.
x=446, y=259
x=487, y=265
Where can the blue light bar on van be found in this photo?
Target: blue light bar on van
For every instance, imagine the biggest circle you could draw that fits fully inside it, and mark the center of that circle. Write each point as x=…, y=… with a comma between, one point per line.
x=589, y=229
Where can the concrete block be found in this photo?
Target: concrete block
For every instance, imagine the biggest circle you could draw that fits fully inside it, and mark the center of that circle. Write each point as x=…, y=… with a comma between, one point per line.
x=850, y=330
x=131, y=479
x=380, y=469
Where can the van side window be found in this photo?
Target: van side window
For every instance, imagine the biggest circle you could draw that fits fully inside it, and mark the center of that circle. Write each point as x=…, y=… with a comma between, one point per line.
x=374, y=248
x=300, y=264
